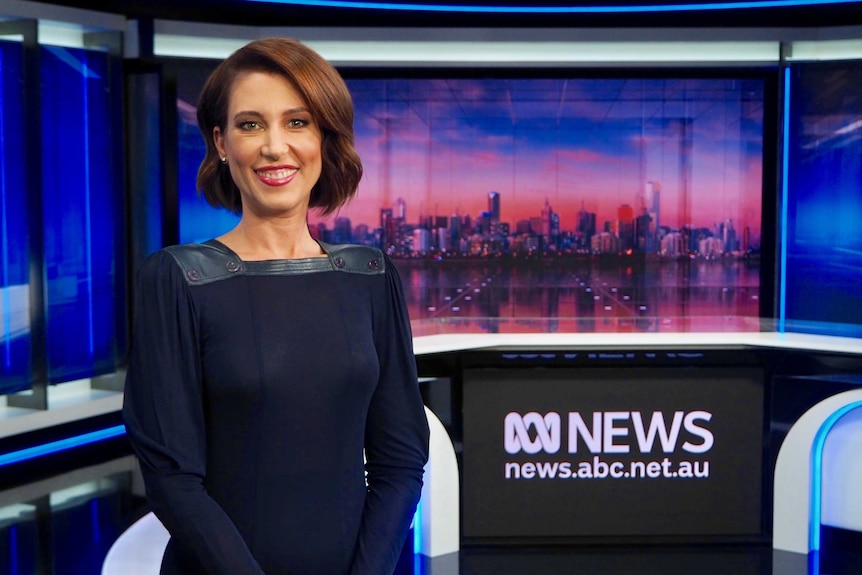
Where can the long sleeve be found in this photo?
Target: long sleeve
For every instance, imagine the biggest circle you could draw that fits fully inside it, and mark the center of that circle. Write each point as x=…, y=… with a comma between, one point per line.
x=396, y=438
x=164, y=415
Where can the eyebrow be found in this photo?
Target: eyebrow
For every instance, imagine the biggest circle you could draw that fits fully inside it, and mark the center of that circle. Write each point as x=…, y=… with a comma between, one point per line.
x=285, y=113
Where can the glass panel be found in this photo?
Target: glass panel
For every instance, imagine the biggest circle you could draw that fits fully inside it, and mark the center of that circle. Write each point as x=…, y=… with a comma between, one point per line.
x=824, y=202
x=79, y=213
x=14, y=289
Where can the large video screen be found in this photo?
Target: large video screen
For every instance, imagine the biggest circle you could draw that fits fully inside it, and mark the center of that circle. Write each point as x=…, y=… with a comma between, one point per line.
x=525, y=200
x=824, y=200
x=551, y=454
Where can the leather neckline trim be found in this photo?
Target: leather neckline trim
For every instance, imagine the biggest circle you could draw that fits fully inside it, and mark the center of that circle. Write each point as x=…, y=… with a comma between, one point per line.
x=278, y=266
x=212, y=261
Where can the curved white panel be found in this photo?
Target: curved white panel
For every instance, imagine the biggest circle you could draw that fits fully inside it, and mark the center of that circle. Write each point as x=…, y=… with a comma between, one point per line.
x=842, y=474
x=792, y=499
x=439, y=507
x=139, y=549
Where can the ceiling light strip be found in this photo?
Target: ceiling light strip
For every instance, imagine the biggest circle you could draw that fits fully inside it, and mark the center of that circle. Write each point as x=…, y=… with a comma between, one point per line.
x=393, y=52
x=610, y=9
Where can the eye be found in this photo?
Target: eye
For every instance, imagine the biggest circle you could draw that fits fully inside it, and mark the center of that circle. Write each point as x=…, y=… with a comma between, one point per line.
x=250, y=125
x=297, y=123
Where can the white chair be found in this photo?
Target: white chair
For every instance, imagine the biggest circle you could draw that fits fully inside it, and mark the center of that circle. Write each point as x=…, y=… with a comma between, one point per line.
x=139, y=549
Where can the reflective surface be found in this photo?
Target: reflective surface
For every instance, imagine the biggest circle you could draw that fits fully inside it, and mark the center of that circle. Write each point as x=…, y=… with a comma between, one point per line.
x=66, y=524
x=577, y=296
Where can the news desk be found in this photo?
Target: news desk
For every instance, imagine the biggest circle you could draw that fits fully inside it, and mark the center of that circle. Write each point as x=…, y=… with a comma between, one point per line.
x=646, y=438
x=559, y=438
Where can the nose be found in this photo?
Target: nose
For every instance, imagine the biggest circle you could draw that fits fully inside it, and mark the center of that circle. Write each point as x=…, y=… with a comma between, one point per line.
x=277, y=143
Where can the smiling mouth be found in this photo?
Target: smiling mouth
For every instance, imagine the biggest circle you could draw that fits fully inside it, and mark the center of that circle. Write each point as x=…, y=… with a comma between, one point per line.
x=276, y=174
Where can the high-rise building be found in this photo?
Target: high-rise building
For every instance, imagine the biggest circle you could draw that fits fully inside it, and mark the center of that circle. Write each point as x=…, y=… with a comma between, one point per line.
x=442, y=239
x=673, y=244
x=652, y=204
x=625, y=213
x=386, y=237
x=421, y=240
x=626, y=226
x=385, y=216
x=342, y=232
x=362, y=234
x=399, y=209
x=729, y=238
x=644, y=233
x=319, y=232
x=547, y=216
x=426, y=222
x=536, y=225
x=494, y=205
x=586, y=226
x=455, y=229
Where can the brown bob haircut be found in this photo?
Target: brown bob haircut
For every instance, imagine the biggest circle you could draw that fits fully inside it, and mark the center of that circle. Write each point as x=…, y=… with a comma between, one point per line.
x=327, y=98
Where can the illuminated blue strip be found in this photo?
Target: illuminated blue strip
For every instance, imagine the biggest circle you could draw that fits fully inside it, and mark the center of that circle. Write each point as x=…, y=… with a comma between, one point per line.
x=13, y=546
x=7, y=298
x=88, y=234
x=556, y=9
x=62, y=445
x=417, y=538
x=785, y=183
x=817, y=473
x=94, y=520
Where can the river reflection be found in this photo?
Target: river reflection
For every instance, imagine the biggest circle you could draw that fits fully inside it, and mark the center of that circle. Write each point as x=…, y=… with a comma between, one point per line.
x=582, y=295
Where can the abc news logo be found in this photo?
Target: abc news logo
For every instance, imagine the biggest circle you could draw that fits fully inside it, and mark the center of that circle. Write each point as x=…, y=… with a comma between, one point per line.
x=610, y=432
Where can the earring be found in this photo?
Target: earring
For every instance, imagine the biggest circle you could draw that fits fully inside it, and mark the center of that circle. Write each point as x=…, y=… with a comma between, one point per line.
x=224, y=159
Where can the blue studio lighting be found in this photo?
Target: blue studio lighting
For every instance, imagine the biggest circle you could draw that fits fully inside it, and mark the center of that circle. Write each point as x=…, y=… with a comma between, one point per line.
x=586, y=9
x=417, y=538
x=13, y=549
x=4, y=236
x=817, y=472
x=61, y=445
x=785, y=183
x=88, y=235
x=80, y=206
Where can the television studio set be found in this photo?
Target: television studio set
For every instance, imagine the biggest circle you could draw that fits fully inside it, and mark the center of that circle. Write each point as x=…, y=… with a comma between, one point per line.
x=627, y=235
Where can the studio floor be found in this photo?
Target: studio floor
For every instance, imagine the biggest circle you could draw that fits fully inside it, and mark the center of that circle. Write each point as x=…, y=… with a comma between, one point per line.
x=65, y=525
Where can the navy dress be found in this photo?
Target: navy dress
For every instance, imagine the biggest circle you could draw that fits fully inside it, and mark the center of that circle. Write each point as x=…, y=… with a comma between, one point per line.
x=253, y=389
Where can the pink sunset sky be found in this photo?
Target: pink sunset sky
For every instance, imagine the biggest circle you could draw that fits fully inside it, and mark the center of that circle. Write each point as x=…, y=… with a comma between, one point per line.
x=443, y=145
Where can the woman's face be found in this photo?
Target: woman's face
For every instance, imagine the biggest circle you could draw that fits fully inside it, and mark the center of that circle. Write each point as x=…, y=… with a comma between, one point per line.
x=272, y=145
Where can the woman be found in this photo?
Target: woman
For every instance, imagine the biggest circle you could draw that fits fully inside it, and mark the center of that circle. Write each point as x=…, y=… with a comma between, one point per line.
x=264, y=363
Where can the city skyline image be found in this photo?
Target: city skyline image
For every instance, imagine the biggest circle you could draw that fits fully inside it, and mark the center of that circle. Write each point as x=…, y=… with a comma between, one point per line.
x=550, y=204
x=686, y=152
